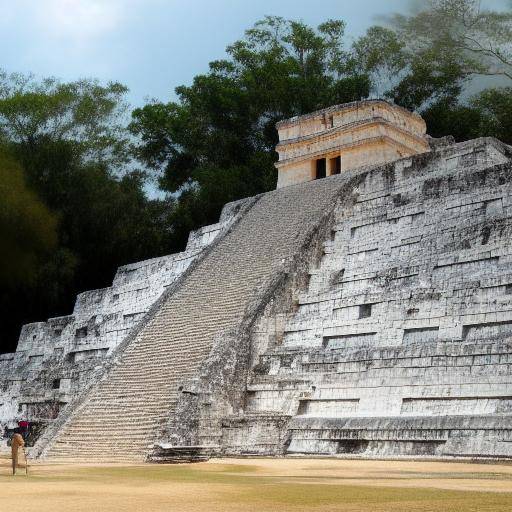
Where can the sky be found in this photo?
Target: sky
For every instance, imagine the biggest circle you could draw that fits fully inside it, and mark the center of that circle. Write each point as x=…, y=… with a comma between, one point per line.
x=151, y=46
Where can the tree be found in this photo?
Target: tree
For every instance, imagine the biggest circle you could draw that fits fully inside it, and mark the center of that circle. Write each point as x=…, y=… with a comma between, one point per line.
x=429, y=60
x=413, y=77
x=479, y=39
x=381, y=54
x=28, y=229
x=84, y=113
x=216, y=143
x=495, y=106
x=72, y=143
x=428, y=79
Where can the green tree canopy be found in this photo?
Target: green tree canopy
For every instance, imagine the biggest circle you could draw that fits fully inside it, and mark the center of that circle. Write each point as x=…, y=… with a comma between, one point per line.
x=71, y=141
x=216, y=143
x=435, y=57
x=28, y=229
x=478, y=39
x=83, y=113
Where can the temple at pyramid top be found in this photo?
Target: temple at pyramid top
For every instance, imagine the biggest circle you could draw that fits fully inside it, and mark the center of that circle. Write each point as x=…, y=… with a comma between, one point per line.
x=348, y=136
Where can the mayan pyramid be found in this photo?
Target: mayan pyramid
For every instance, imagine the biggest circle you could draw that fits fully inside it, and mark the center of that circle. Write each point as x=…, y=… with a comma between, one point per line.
x=362, y=308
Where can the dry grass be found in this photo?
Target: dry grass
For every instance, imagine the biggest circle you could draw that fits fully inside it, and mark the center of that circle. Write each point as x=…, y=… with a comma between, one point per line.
x=259, y=485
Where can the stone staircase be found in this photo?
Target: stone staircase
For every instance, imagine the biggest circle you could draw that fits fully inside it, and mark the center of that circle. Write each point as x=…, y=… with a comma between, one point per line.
x=123, y=415
x=402, y=342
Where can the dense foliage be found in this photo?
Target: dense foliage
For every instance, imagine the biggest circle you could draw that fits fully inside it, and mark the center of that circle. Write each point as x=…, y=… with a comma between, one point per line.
x=27, y=226
x=68, y=215
x=216, y=143
x=74, y=205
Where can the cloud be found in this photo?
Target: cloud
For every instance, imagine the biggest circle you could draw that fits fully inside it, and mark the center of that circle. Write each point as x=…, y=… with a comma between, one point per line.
x=77, y=20
x=67, y=38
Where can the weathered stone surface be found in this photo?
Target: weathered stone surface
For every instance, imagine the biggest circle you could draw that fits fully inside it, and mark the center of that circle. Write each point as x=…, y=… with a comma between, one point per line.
x=219, y=298
x=364, y=314
x=402, y=342
x=56, y=360
x=345, y=137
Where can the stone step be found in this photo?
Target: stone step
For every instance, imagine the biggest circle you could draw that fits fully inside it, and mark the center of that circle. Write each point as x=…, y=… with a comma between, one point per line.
x=143, y=384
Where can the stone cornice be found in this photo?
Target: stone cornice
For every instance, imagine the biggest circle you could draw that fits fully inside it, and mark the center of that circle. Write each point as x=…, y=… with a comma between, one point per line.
x=351, y=127
x=347, y=106
x=362, y=142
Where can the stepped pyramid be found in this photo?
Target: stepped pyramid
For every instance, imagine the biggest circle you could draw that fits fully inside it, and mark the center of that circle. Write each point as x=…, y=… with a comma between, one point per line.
x=362, y=309
x=124, y=414
x=400, y=344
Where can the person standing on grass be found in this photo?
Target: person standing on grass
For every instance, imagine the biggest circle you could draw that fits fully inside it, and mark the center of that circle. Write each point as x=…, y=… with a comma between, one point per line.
x=17, y=442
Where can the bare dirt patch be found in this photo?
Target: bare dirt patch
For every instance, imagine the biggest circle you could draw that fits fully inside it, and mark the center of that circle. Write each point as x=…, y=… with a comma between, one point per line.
x=260, y=485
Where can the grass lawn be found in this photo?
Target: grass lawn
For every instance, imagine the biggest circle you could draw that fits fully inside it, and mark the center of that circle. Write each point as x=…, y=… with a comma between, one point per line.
x=260, y=485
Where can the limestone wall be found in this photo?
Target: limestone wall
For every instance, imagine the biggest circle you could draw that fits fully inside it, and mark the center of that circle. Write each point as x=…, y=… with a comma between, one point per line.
x=55, y=360
x=361, y=134
x=191, y=333
x=401, y=344
x=347, y=114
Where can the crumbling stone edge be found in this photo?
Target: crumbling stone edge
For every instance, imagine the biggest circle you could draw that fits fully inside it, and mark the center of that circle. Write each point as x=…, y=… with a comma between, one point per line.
x=219, y=390
x=45, y=441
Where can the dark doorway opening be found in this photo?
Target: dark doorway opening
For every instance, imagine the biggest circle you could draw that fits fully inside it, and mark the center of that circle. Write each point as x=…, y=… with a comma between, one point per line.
x=365, y=311
x=336, y=165
x=320, y=168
